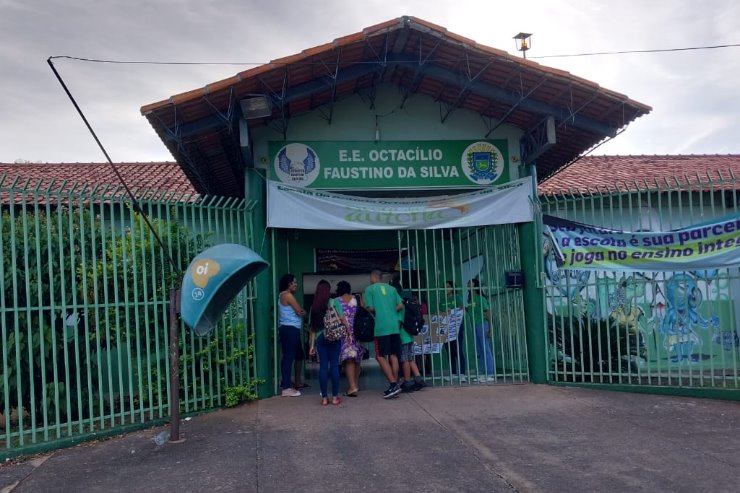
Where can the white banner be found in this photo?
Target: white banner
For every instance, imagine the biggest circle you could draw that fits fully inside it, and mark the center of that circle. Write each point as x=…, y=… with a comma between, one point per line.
x=303, y=208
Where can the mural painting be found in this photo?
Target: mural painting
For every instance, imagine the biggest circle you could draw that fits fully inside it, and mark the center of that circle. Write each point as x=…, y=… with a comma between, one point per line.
x=605, y=320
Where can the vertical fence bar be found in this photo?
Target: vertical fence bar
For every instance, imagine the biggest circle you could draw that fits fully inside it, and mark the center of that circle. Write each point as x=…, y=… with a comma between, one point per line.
x=125, y=241
x=41, y=305
x=50, y=271
x=29, y=316
x=4, y=325
x=16, y=319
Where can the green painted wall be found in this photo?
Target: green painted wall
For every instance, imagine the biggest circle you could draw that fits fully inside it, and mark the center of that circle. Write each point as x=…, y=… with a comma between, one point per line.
x=418, y=119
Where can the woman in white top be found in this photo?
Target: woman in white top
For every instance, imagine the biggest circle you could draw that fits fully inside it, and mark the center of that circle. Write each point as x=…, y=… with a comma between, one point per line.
x=289, y=330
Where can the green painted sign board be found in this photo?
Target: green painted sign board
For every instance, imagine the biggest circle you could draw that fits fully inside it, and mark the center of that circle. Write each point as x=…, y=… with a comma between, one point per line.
x=345, y=165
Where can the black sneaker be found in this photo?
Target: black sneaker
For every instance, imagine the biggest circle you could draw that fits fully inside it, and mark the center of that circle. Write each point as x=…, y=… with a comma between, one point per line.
x=393, y=390
x=419, y=383
x=408, y=387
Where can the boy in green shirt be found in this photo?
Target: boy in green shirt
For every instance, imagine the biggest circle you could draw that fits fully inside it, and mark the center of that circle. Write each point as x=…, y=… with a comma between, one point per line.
x=384, y=302
x=408, y=360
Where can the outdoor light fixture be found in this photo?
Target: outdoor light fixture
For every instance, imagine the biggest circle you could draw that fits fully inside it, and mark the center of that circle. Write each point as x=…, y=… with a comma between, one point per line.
x=523, y=42
x=255, y=106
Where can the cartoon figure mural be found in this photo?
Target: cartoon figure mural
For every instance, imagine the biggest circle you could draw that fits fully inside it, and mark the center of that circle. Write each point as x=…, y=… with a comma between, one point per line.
x=568, y=284
x=626, y=313
x=682, y=316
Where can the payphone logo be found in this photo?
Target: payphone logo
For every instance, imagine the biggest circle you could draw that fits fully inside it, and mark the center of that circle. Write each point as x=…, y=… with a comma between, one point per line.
x=482, y=163
x=297, y=164
x=203, y=270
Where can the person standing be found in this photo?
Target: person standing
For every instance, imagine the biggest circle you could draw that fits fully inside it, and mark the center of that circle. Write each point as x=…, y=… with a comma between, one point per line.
x=289, y=331
x=328, y=351
x=385, y=302
x=412, y=379
x=456, y=348
x=351, y=352
x=479, y=314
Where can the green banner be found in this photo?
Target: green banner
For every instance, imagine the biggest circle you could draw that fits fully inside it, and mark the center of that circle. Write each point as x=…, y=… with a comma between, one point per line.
x=344, y=165
x=702, y=246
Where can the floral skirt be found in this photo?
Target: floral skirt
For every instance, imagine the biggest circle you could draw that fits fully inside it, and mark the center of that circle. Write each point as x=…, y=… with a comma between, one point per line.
x=351, y=349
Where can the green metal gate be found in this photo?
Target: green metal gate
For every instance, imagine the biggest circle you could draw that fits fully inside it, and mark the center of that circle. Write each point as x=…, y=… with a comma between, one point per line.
x=84, y=311
x=665, y=329
x=429, y=259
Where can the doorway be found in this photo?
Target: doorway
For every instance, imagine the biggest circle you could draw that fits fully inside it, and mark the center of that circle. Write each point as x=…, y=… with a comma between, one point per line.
x=420, y=263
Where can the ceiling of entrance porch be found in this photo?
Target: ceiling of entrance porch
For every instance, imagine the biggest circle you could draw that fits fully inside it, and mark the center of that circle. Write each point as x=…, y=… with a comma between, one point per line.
x=201, y=127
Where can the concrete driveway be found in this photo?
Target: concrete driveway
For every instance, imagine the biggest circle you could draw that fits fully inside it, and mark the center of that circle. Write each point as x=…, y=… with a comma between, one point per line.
x=482, y=438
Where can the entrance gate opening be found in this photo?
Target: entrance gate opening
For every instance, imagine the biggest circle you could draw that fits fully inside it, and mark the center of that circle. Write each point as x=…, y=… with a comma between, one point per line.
x=421, y=262
x=437, y=266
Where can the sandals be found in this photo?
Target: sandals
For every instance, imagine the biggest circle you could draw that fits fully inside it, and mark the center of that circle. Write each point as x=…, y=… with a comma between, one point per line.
x=336, y=401
x=324, y=401
x=352, y=393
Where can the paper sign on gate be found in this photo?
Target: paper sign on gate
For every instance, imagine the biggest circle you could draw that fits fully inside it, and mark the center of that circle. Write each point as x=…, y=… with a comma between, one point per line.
x=438, y=329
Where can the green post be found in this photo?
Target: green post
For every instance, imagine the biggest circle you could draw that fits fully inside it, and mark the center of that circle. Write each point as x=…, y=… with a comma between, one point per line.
x=255, y=190
x=530, y=247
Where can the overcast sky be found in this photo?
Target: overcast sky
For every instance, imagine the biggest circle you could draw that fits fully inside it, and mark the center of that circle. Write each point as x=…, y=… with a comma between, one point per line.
x=694, y=94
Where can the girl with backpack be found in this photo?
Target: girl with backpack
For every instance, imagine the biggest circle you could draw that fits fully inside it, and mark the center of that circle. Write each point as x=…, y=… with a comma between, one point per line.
x=328, y=351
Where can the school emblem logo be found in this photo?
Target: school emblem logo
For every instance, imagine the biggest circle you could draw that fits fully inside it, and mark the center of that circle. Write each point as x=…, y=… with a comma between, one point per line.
x=482, y=163
x=297, y=164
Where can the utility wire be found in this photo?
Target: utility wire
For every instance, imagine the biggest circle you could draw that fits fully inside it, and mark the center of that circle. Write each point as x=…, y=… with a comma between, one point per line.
x=624, y=52
x=665, y=50
x=149, y=62
x=137, y=208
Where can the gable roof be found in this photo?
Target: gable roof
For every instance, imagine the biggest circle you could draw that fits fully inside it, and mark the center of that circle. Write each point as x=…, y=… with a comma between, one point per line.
x=144, y=179
x=599, y=174
x=201, y=127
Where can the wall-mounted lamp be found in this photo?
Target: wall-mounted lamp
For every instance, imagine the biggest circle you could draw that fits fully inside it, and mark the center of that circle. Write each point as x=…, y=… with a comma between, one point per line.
x=255, y=106
x=523, y=42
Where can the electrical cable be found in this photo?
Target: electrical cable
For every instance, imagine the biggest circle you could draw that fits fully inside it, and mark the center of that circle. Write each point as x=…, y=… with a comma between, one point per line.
x=137, y=207
x=598, y=53
x=664, y=50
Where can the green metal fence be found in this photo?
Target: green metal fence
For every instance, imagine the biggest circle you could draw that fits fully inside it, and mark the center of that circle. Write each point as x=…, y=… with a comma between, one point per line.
x=667, y=329
x=85, y=305
x=429, y=259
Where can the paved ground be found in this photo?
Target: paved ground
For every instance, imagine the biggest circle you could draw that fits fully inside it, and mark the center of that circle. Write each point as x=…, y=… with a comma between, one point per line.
x=484, y=438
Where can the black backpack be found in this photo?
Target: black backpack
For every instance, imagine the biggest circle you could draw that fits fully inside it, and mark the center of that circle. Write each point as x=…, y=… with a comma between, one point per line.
x=364, y=327
x=413, y=320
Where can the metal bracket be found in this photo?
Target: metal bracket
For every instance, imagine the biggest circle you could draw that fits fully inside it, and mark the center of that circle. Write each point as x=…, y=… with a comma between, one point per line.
x=537, y=140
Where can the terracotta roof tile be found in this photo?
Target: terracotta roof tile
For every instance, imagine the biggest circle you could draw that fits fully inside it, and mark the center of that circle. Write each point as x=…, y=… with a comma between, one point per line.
x=318, y=49
x=382, y=26
x=287, y=60
x=187, y=96
x=157, y=178
x=348, y=40
x=429, y=25
x=221, y=84
x=462, y=39
x=591, y=174
x=255, y=71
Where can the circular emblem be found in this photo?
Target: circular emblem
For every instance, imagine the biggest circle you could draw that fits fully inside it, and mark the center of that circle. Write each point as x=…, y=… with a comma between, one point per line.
x=482, y=163
x=198, y=294
x=297, y=164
